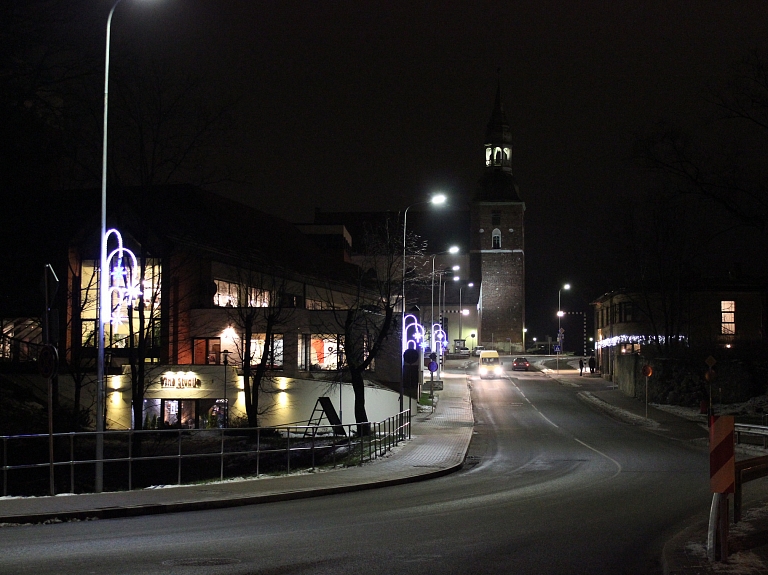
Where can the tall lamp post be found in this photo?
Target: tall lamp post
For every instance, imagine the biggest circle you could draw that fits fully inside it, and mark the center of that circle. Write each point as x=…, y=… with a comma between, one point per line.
x=225, y=353
x=559, y=332
x=437, y=199
x=452, y=250
x=103, y=302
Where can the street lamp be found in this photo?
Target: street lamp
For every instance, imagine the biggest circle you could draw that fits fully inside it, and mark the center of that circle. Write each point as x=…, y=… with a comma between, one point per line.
x=103, y=304
x=437, y=199
x=461, y=310
x=452, y=250
x=225, y=352
x=559, y=331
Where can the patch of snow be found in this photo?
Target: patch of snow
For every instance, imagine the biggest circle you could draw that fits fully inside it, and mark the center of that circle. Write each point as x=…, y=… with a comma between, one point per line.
x=618, y=412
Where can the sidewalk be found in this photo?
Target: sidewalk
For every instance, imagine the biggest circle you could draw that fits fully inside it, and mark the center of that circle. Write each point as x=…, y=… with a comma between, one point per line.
x=439, y=443
x=686, y=552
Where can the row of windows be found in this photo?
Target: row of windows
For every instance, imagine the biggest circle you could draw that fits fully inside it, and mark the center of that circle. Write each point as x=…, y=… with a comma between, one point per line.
x=231, y=294
x=623, y=312
x=228, y=294
x=626, y=312
x=317, y=352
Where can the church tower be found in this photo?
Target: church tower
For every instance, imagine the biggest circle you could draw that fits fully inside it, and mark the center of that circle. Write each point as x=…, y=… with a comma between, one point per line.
x=497, y=256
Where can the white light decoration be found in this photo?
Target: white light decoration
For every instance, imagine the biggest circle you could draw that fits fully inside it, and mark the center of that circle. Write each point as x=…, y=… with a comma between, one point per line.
x=120, y=285
x=440, y=336
x=641, y=339
x=413, y=334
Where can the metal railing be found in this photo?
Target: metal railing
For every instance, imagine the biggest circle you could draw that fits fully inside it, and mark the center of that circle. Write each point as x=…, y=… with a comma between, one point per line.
x=137, y=459
x=740, y=429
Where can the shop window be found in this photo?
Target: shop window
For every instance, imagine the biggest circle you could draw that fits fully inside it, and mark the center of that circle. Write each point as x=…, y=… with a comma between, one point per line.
x=226, y=294
x=728, y=317
x=496, y=238
x=319, y=352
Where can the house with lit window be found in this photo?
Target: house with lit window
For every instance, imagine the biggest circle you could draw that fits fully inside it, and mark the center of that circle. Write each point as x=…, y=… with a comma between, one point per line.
x=725, y=313
x=192, y=276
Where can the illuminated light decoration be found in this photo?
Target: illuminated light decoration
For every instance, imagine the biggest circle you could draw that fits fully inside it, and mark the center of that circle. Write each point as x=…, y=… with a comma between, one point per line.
x=641, y=339
x=119, y=287
x=413, y=333
x=441, y=338
x=180, y=380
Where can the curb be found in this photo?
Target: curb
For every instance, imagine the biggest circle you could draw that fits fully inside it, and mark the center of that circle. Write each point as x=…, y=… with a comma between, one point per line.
x=157, y=508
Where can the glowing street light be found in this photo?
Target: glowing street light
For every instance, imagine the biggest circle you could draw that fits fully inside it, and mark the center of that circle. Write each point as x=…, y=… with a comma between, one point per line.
x=437, y=199
x=560, y=314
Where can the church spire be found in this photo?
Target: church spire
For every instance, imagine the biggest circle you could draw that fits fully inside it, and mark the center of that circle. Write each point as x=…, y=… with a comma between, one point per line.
x=498, y=183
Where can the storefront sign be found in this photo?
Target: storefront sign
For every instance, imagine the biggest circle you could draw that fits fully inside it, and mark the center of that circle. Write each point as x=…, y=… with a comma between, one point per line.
x=180, y=380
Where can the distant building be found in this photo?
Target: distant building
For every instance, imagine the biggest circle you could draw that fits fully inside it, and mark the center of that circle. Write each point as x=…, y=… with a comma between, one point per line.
x=726, y=313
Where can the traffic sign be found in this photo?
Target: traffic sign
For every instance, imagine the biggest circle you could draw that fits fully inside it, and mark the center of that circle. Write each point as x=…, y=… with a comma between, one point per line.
x=557, y=349
x=433, y=366
x=48, y=361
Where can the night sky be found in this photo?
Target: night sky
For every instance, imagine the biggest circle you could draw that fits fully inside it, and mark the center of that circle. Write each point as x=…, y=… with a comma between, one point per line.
x=374, y=105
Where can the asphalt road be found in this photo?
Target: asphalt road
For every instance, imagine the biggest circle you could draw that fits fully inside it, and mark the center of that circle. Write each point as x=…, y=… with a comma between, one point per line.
x=550, y=486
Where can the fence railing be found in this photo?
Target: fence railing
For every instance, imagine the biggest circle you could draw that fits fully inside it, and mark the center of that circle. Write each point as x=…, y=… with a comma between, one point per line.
x=740, y=429
x=137, y=459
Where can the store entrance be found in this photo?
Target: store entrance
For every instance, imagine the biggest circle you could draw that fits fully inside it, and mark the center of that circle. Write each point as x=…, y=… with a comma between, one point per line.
x=184, y=413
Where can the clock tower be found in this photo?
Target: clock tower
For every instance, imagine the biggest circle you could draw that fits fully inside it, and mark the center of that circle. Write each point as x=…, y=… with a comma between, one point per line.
x=497, y=256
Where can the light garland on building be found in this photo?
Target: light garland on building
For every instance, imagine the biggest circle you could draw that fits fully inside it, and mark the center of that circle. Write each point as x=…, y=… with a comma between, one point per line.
x=635, y=339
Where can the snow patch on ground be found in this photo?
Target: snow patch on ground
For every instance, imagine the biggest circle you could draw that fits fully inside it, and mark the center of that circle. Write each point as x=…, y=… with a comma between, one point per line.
x=619, y=413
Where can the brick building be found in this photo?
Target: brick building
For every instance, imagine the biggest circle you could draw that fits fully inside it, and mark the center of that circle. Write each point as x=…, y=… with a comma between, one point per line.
x=497, y=241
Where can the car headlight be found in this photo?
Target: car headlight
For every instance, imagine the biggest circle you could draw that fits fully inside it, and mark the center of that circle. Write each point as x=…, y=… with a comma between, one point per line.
x=497, y=370
x=483, y=371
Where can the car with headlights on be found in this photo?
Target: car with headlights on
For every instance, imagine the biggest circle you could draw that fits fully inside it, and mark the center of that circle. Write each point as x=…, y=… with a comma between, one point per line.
x=489, y=366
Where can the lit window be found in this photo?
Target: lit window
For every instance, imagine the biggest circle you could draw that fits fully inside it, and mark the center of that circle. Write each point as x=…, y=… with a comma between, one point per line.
x=258, y=297
x=496, y=238
x=488, y=152
x=728, y=317
x=226, y=294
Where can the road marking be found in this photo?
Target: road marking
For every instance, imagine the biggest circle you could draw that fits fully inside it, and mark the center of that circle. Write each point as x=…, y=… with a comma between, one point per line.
x=608, y=457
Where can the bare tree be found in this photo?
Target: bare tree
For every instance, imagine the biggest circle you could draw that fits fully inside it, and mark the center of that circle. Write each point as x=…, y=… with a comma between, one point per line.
x=264, y=305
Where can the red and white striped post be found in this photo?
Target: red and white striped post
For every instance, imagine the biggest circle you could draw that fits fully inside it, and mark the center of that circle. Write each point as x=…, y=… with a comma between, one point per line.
x=722, y=481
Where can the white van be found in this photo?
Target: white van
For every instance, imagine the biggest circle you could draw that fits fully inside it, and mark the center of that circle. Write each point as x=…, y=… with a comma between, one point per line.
x=489, y=365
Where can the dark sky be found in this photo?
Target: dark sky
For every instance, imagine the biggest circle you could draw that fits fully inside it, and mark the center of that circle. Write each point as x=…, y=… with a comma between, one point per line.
x=373, y=105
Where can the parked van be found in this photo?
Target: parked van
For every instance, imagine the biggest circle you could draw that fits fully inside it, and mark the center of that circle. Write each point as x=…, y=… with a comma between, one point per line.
x=489, y=365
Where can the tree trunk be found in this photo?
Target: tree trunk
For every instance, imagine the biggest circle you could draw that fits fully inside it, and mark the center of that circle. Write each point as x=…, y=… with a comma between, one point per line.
x=361, y=417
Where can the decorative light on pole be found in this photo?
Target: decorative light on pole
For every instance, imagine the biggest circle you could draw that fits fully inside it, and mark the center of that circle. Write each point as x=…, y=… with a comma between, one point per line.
x=103, y=277
x=559, y=329
x=437, y=199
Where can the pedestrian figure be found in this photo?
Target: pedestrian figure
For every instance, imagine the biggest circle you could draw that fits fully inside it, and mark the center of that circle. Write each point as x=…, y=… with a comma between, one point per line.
x=591, y=364
x=581, y=366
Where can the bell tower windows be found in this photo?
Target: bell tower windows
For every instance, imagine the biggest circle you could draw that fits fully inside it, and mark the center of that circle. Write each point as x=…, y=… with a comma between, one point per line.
x=497, y=156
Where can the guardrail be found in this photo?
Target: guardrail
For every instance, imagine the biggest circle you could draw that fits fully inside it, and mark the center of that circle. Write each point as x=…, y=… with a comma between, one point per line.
x=740, y=429
x=141, y=458
x=748, y=469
